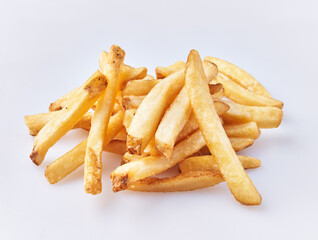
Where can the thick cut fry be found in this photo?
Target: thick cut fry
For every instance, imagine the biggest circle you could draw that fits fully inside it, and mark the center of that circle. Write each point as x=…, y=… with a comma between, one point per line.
x=100, y=120
x=183, y=182
x=68, y=117
x=163, y=72
x=73, y=159
x=244, y=130
x=239, y=94
x=131, y=172
x=131, y=101
x=139, y=87
x=208, y=163
x=218, y=143
x=265, y=117
x=239, y=75
x=128, y=73
x=151, y=110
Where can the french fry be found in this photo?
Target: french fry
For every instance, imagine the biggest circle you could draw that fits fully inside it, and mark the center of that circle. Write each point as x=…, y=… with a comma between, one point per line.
x=139, y=87
x=131, y=172
x=151, y=110
x=73, y=159
x=64, y=100
x=129, y=115
x=244, y=130
x=58, y=126
x=239, y=144
x=239, y=94
x=183, y=182
x=163, y=72
x=122, y=135
x=128, y=73
x=217, y=91
x=116, y=146
x=151, y=148
x=208, y=163
x=265, y=117
x=218, y=143
x=100, y=120
x=239, y=75
x=131, y=101
x=128, y=157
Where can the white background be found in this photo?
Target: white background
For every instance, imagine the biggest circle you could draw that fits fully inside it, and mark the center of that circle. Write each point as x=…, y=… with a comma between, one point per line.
x=50, y=47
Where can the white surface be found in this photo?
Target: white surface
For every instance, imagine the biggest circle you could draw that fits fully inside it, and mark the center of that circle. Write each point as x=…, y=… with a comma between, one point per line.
x=48, y=48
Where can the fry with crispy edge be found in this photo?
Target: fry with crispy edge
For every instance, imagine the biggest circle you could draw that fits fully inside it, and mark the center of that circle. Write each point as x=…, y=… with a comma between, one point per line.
x=139, y=87
x=151, y=110
x=216, y=139
x=58, y=126
x=73, y=159
x=131, y=172
x=163, y=72
x=100, y=120
x=239, y=94
x=239, y=75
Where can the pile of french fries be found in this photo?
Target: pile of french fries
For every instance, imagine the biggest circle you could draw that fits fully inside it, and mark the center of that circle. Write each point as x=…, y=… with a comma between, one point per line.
x=196, y=115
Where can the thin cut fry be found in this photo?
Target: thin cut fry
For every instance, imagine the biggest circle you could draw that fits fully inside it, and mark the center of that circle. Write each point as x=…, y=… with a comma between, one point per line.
x=100, y=120
x=139, y=87
x=265, y=117
x=239, y=75
x=131, y=101
x=218, y=143
x=64, y=100
x=163, y=72
x=116, y=147
x=183, y=182
x=73, y=159
x=239, y=144
x=151, y=110
x=244, y=130
x=208, y=163
x=68, y=117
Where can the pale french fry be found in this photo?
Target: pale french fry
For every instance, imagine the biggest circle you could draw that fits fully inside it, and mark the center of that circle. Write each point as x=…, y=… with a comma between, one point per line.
x=95, y=141
x=239, y=144
x=122, y=135
x=128, y=73
x=84, y=98
x=128, y=157
x=241, y=95
x=139, y=87
x=73, y=159
x=244, y=130
x=129, y=115
x=133, y=171
x=216, y=90
x=163, y=72
x=131, y=101
x=208, y=163
x=239, y=75
x=265, y=117
x=218, y=143
x=151, y=148
x=151, y=110
x=183, y=182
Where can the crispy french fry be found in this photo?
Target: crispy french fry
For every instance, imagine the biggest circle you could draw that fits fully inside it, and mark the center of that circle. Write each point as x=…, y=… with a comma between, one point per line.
x=151, y=110
x=243, y=130
x=139, y=87
x=68, y=117
x=208, y=163
x=73, y=159
x=128, y=157
x=131, y=101
x=163, y=72
x=239, y=144
x=116, y=147
x=218, y=143
x=239, y=94
x=265, y=117
x=131, y=172
x=183, y=182
x=239, y=75
x=128, y=73
x=100, y=120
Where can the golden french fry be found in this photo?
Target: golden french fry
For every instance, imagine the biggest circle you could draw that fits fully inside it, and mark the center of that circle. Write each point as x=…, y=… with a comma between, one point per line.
x=239, y=144
x=163, y=72
x=73, y=159
x=243, y=130
x=64, y=100
x=265, y=117
x=151, y=110
x=151, y=148
x=239, y=94
x=68, y=117
x=239, y=75
x=128, y=73
x=100, y=120
x=131, y=101
x=139, y=87
x=129, y=115
x=183, y=182
x=116, y=147
x=217, y=91
x=131, y=172
x=208, y=163
x=128, y=157
x=122, y=135
x=216, y=139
